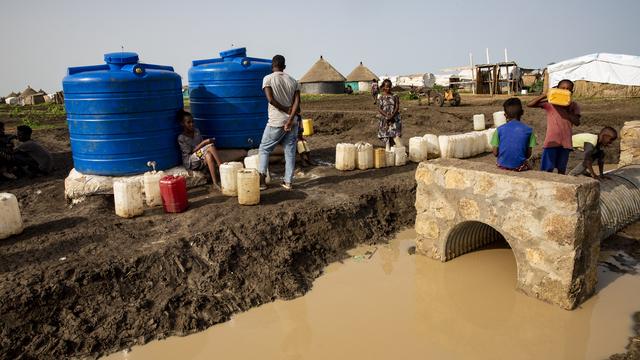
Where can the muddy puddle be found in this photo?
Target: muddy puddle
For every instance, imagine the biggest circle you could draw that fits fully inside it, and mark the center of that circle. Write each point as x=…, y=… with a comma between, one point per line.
x=383, y=303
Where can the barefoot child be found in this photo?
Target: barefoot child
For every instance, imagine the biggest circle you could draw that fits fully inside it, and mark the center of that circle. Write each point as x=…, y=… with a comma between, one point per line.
x=389, y=120
x=375, y=91
x=513, y=142
x=303, y=146
x=197, y=153
x=557, y=142
x=595, y=152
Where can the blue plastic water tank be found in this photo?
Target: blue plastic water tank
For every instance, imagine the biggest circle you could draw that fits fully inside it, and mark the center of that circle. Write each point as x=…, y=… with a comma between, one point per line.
x=123, y=114
x=226, y=98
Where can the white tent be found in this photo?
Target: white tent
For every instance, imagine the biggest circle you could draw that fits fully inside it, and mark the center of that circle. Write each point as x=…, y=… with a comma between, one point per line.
x=426, y=80
x=604, y=68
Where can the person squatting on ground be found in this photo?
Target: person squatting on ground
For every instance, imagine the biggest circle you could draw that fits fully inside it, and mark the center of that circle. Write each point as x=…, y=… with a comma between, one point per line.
x=389, y=120
x=514, y=141
x=375, y=91
x=557, y=142
x=6, y=152
x=197, y=153
x=283, y=94
x=29, y=156
x=595, y=152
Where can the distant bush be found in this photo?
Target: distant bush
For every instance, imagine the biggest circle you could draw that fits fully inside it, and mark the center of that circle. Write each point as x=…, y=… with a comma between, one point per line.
x=408, y=95
x=537, y=86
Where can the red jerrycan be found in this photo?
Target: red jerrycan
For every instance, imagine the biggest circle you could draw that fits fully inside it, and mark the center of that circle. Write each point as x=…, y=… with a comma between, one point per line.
x=173, y=190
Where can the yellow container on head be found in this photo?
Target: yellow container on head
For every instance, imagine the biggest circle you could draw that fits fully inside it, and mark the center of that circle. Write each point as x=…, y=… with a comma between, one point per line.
x=307, y=127
x=559, y=97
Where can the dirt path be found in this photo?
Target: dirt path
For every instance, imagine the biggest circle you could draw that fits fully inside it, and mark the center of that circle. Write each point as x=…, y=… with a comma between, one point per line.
x=81, y=281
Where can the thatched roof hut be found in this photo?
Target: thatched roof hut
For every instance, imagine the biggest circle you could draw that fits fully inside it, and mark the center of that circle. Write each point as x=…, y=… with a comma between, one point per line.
x=27, y=92
x=322, y=78
x=360, y=78
x=362, y=73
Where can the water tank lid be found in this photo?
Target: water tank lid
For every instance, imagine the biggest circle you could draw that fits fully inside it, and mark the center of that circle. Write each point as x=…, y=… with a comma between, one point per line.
x=121, y=58
x=239, y=52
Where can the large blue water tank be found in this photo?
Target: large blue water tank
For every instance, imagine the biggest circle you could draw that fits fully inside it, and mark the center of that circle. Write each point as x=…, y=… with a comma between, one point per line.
x=123, y=114
x=226, y=98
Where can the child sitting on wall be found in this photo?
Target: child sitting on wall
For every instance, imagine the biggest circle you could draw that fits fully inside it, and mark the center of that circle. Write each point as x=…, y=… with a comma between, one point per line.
x=389, y=120
x=595, y=152
x=513, y=142
x=197, y=153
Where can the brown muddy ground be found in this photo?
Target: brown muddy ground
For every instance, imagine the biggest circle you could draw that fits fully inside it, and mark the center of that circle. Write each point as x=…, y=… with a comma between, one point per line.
x=81, y=282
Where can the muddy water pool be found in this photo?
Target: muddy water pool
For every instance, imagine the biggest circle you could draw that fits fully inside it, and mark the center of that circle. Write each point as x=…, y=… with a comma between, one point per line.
x=384, y=303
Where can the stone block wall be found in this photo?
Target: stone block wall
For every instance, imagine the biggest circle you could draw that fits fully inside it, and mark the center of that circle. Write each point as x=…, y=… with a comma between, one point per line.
x=630, y=143
x=550, y=221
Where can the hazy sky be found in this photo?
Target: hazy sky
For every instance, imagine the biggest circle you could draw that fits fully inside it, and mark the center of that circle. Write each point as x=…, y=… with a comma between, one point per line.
x=40, y=39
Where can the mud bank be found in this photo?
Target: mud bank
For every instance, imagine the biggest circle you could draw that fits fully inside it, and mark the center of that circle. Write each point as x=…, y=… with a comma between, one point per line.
x=172, y=284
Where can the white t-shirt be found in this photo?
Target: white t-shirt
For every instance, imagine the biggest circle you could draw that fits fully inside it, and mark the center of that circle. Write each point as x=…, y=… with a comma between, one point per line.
x=284, y=88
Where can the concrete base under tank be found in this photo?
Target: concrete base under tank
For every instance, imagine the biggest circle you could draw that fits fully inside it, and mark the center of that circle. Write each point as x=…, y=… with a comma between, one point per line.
x=78, y=185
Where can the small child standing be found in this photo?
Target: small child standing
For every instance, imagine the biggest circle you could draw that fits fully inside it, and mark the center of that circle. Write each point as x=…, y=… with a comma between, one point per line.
x=375, y=91
x=513, y=142
x=389, y=120
x=557, y=143
x=595, y=152
x=302, y=146
x=197, y=153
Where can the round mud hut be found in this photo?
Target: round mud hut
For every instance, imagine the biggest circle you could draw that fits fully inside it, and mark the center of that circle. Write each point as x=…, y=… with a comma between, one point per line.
x=27, y=92
x=322, y=78
x=360, y=78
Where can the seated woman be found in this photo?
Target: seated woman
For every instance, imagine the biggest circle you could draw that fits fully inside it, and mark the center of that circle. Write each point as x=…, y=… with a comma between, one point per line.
x=197, y=153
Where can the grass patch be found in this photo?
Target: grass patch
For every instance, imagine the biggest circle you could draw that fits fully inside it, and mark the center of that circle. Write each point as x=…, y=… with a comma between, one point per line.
x=408, y=95
x=38, y=116
x=319, y=97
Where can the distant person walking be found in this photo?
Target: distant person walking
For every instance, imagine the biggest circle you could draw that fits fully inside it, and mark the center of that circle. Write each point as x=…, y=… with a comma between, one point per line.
x=283, y=94
x=375, y=91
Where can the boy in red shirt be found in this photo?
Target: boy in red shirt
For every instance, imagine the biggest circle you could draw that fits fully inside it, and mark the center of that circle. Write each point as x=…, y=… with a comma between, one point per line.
x=557, y=143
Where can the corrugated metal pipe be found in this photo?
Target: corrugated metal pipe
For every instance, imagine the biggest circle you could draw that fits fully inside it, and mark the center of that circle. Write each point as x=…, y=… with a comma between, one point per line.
x=468, y=236
x=619, y=206
x=619, y=199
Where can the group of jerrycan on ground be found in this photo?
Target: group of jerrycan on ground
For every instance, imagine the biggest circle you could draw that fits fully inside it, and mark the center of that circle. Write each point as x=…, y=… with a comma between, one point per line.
x=363, y=156
x=171, y=191
x=236, y=179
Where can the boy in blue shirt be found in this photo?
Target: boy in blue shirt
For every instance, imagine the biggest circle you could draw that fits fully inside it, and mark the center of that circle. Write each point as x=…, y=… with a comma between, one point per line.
x=512, y=142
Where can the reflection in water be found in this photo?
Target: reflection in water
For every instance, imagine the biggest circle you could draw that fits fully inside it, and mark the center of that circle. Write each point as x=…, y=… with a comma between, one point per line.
x=395, y=305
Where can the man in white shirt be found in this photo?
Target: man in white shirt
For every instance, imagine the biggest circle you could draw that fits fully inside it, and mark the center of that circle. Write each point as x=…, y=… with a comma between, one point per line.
x=283, y=94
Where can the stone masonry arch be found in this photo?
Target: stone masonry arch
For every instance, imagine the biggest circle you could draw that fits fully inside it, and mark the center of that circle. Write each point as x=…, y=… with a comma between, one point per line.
x=550, y=221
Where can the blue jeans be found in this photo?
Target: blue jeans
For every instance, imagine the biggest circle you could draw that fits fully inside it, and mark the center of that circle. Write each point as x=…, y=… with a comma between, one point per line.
x=555, y=158
x=271, y=137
